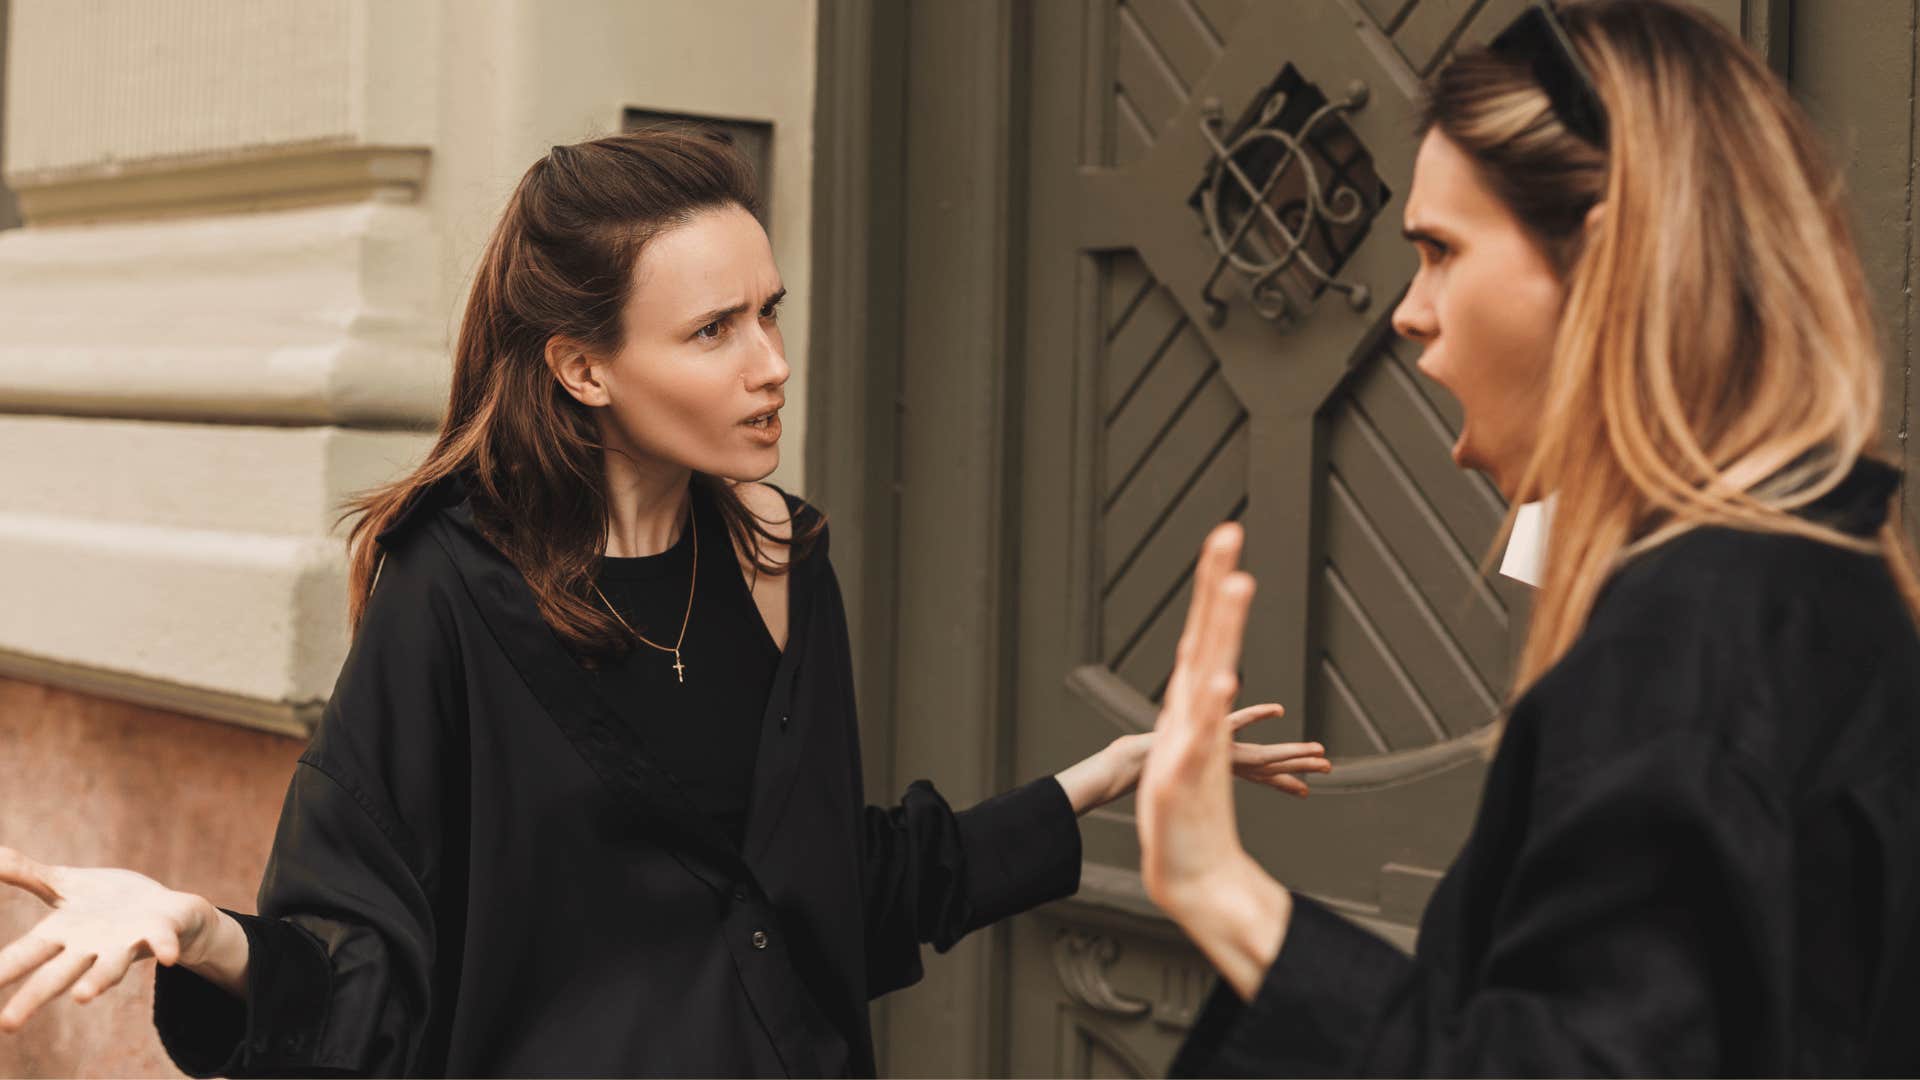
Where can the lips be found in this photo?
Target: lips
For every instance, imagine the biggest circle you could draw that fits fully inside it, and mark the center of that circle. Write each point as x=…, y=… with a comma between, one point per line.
x=763, y=427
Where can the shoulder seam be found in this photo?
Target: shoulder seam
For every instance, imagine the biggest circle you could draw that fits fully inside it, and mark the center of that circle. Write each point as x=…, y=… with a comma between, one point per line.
x=407, y=847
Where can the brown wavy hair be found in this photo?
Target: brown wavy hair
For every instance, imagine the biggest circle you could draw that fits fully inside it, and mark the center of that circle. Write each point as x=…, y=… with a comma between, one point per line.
x=560, y=263
x=1716, y=362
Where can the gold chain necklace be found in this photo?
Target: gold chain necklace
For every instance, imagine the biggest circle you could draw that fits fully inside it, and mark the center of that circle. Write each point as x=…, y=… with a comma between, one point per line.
x=679, y=668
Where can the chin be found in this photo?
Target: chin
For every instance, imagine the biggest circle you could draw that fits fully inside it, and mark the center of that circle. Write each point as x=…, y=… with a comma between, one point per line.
x=749, y=469
x=1465, y=456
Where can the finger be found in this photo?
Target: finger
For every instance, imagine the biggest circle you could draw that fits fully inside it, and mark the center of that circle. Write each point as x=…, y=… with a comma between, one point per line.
x=105, y=974
x=18, y=870
x=1272, y=777
x=1218, y=553
x=1291, y=767
x=1261, y=753
x=43, y=986
x=164, y=944
x=1235, y=590
x=1217, y=659
x=1273, y=772
x=23, y=956
x=1253, y=714
x=1292, y=785
x=1220, y=546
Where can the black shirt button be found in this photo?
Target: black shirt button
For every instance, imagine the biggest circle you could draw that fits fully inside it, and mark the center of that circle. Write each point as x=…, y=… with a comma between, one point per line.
x=740, y=893
x=759, y=939
x=783, y=721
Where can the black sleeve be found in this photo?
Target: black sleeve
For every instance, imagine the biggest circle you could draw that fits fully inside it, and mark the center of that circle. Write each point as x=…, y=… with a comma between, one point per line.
x=1642, y=921
x=341, y=955
x=931, y=875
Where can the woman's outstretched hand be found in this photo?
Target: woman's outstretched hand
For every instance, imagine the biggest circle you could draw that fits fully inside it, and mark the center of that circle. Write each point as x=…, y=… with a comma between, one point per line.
x=1115, y=771
x=1191, y=857
x=103, y=922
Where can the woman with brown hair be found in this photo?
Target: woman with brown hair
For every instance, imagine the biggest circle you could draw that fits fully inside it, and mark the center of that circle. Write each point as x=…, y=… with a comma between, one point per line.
x=586, y=799
x=1698, y=852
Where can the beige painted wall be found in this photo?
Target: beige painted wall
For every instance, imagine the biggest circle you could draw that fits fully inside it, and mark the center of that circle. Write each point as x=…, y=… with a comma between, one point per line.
x=250, y=230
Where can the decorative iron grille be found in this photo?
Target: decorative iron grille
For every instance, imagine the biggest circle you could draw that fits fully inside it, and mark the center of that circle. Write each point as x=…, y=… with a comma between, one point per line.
x=1288, y=195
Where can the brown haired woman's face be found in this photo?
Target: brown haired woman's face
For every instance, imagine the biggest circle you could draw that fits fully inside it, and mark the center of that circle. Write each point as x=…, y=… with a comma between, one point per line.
x=699, y=380
x=1485, y=304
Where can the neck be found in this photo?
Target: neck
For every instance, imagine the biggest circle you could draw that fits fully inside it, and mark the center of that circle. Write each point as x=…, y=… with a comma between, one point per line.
x=646, y=504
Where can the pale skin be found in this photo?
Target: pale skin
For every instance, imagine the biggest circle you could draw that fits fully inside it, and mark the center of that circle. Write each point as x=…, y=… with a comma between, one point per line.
x=695, y=386
x=1485, y=304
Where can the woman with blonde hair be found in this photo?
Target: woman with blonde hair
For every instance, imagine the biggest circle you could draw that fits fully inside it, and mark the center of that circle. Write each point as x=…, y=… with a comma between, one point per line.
x=1698, y=851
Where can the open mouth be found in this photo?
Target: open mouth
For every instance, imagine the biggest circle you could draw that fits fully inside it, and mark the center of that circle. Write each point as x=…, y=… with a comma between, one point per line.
x=764, y=420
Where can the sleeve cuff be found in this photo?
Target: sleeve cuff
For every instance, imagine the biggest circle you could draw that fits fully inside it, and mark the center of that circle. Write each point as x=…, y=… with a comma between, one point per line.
x=276, y=1029
x=1022, y=850
x=1314, y=1011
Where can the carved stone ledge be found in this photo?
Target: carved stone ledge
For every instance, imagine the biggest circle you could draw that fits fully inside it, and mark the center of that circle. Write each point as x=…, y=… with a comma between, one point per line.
x=293, y=719
x=265, y=179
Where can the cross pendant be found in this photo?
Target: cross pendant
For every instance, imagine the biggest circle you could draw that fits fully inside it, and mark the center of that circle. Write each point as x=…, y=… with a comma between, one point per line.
x=678, y=667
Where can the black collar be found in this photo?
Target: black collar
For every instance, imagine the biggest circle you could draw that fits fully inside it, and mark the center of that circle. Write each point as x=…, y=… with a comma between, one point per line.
x=443, y=493
x=1858, y=505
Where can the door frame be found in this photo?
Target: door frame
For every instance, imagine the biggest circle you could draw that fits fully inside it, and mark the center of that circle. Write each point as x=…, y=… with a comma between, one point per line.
x=912, y=244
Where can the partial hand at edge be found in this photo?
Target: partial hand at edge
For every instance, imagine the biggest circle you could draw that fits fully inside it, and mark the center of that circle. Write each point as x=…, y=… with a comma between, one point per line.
x=103, y=922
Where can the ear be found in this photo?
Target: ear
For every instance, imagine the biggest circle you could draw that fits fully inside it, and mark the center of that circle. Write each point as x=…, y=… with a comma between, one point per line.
x=1596, y=215
x=577, y=371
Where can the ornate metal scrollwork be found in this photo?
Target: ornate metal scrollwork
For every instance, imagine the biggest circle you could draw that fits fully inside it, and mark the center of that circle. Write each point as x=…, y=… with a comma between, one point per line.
x=1314, y=206
x=1082, y=960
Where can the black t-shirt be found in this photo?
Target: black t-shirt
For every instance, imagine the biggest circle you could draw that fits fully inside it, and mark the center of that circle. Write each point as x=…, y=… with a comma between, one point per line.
x=704, y=731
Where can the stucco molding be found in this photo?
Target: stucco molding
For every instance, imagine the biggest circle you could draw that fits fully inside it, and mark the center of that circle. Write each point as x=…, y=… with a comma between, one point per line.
x=265, y=178
x=292, y=719
x=327, y=315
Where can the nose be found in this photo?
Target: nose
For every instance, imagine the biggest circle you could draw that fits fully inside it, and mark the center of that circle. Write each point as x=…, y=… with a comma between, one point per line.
x=768, y=369
x=1413, y=317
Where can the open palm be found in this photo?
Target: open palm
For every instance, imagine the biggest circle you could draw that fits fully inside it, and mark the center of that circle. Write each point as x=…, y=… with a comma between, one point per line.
x=103, y=922
x=1188, y=832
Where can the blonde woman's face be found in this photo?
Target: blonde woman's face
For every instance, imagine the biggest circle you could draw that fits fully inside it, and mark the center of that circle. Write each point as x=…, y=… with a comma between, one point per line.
x=1484, y=305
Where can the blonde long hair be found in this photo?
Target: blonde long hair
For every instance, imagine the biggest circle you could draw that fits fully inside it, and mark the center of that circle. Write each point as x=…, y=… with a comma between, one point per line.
x=1717, y=361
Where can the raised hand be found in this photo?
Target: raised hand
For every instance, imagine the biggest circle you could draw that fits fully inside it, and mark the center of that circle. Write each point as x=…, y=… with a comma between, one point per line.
x=103, y=922
x=1191, y=858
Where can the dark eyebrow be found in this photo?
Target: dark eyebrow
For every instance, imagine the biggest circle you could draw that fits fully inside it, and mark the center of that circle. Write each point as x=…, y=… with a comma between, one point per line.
x=716, y=315
x=721, y=314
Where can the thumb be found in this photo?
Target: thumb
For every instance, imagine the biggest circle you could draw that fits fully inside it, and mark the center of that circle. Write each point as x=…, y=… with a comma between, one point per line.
x=24, y=873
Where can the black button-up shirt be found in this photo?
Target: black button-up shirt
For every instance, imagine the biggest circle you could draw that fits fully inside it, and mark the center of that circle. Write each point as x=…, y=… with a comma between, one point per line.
x=480, y=871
